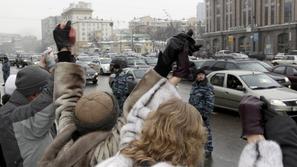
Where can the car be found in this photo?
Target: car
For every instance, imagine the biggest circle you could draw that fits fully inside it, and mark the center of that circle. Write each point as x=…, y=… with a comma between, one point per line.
x=91, y=74
x=137, y=63
x=135, y=74
x=88, y=60
x=151, y=61
x=288, y=59
x=12, y=59
x=104, y=64
x=288, y=70
x=23, y=60
x=250, y=65
x=231, y=85
x=279, y=56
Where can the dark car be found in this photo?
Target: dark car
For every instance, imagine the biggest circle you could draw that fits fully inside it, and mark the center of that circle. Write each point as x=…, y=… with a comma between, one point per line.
x=288, y=70
x=91, y=74
x=23, y=60
x=249, y=65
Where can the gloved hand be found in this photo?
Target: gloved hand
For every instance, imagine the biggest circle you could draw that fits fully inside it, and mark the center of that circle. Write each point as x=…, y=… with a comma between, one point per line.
x=64, y=36
x=251, y=116
x=177, y=50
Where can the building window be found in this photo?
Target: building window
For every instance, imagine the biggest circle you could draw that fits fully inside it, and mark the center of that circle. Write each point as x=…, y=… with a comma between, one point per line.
x=272, y=21
x=266, y=15
x=288, y=11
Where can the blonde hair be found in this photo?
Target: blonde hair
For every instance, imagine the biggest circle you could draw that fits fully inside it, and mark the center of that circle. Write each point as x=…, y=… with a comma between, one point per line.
x=173, y=133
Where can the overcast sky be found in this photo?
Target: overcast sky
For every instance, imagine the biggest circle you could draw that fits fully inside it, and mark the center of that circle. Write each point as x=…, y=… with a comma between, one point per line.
x=24, y=16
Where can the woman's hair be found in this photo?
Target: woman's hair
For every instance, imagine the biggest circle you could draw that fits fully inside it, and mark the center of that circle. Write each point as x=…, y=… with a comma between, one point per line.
x=173, y=133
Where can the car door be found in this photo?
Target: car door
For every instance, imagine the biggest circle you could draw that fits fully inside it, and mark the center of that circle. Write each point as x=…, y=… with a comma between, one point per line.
x=234, y=92
x=291, y=73
x=218, y=82
x=280, y=70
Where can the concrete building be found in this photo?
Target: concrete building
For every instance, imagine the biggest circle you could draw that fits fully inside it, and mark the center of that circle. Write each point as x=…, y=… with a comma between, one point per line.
x=251, y=26
x=161, y=29
x=201, y=13
x=47, y=26
x=89, y=30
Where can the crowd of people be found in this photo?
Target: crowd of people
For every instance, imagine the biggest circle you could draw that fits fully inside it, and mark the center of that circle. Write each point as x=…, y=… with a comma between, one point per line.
x=49, y=120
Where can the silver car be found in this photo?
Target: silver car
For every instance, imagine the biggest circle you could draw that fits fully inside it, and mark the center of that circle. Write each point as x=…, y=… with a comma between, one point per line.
x=231, y=86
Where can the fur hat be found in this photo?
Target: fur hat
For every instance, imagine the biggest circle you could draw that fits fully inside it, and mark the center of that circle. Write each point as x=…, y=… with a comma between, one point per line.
x=200, y=71
x=96, y=111
x=31, y=80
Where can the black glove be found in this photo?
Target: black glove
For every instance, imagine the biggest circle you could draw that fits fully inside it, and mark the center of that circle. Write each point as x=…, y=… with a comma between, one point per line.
x=251, y=116
x=61, y=36
x=66, y=56
x=177, y=50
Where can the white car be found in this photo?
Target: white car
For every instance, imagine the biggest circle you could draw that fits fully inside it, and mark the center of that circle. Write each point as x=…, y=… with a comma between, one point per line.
x=104, y=64
x=288, y=59
x=279, y=56
x=230, y=86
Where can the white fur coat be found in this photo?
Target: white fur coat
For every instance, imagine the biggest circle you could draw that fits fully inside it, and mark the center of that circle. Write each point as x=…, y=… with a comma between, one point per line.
x=269, y=154
x=161, y=92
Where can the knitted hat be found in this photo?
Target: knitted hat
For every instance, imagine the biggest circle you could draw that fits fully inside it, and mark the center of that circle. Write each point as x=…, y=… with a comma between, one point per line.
x=31, y=80
x=10, y=84
x=96, y=111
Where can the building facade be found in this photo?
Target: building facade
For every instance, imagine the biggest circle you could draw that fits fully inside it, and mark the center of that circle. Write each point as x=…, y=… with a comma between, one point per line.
x=89, y=30
x=161, y=29
x=47, y=26
x=251, y=26
x=201, y=12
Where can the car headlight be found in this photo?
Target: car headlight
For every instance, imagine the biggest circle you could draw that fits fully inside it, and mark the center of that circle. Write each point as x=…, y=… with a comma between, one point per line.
x=287, y=79
x=96, y=73
x=278, y=103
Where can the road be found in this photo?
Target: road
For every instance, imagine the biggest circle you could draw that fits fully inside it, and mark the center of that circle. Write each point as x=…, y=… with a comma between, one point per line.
x=225, y=125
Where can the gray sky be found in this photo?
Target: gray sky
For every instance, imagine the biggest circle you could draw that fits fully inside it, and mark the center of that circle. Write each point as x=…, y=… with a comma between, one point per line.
x=24, y=16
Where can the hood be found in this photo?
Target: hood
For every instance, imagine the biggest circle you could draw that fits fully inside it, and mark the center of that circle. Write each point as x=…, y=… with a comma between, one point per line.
x=275, y=76
x=277, y=93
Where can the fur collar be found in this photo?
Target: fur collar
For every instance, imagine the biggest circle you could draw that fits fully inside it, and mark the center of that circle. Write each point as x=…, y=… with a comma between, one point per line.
x=262, y=154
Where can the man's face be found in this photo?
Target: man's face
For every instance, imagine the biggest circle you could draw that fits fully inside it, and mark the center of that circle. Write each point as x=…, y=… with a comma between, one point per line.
x=200, y=77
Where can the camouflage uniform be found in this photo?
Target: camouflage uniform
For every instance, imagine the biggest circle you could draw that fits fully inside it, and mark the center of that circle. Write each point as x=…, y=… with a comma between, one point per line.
x=119, y=88
x=202, y=98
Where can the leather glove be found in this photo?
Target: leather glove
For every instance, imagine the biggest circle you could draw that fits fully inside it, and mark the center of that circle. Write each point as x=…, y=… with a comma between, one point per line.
x=177, y=50
x=64, y=36
x=251, y=116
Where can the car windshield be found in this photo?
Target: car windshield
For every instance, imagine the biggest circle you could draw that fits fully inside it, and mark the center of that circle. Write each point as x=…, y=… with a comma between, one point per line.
x=227, y=52
x=252, y=66
x=259, y=81
x=139, y=73
x=105, y=61
x=151, y=61
x=198, y=64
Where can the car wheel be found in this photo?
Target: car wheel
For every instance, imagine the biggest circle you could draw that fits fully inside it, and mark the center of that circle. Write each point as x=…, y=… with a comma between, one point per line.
x=101, y=71
x=275, y=64
x=95, y=81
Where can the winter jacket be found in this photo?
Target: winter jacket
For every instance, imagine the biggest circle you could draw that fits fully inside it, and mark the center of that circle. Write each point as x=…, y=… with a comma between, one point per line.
x=25, y=128
x=202, y=97
x=6, y=67
x=261, y=154
x=122, y=161
x=148, y=94
x=66, y=151
x=66, y=91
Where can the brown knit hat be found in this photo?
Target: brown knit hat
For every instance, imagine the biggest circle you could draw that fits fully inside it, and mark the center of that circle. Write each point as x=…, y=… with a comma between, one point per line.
x=96, y=111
